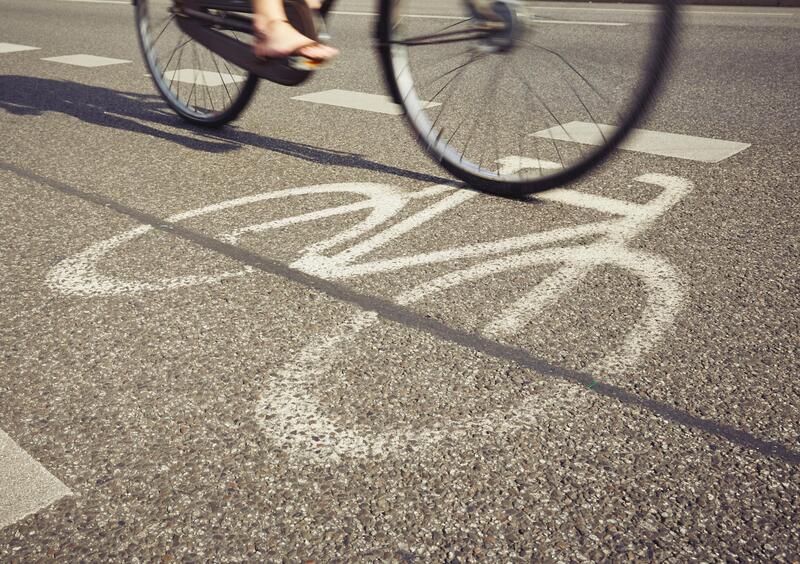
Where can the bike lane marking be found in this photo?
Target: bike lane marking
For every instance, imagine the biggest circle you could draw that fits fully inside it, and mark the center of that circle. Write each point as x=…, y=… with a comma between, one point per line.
x=25, y=485
x=79, y=275
x=14, y=48
x=202, y=77
x=661, y=143
x=291, y=412
x=87, y=61
x=291, y=404
x=392, y=312
x=376, y=103
x=734, y=11
x=121, y=2
x=679, y=146
x=461, y=18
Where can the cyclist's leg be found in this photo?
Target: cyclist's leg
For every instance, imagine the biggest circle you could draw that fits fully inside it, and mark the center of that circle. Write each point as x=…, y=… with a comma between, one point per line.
x=279, y=39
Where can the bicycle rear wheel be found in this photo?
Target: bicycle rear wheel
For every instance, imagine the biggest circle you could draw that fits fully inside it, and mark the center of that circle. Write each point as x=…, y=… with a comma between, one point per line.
x=558, y=87
x=199, y=85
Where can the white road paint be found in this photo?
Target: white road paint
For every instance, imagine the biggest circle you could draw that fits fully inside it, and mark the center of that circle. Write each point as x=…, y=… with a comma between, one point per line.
x=79, y=275
x=297, y=419
x=688, y=10
x=122, y=2
x=290, y=410
x=89, y=61
x=202, y=77
x=391, y=233
x=585, y=8
x=25, y=486
x=689, y=147
x=356, y=100
x=14, y=48
x=461, y=18
x=539, y=21
x=293, y=415
x=338, y=267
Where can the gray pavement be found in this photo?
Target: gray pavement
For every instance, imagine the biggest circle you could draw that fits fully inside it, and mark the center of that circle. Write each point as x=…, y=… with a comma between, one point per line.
x=218, y=385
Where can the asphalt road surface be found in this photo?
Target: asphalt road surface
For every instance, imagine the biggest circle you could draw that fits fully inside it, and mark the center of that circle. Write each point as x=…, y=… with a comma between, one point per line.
x=294, y=339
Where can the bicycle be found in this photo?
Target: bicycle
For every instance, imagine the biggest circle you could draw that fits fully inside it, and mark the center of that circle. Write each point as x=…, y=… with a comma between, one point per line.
x=451, y=67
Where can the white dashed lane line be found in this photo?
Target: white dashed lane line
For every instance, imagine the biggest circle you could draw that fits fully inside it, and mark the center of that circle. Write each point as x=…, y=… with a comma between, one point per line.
x=355, y=100
x=89, y=61
x=461, y=18
x=25, y=486
x=688, y=147
x=375, y=14
x=202, y=77
x=14, y=48
x=722, y=12
x=576, y=22
x=100, y=1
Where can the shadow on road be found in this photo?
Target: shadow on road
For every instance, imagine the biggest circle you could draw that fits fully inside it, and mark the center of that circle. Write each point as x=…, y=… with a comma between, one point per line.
x=128, y=111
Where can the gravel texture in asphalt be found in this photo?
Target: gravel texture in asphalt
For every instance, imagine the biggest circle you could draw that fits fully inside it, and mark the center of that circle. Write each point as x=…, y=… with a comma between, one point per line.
x=210, y=390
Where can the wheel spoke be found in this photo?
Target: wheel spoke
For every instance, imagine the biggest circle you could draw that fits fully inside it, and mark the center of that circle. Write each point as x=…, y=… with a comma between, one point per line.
x=571, y=66
x=448, y=96
x=222, y=78
x=552, y=115
x=163, y=29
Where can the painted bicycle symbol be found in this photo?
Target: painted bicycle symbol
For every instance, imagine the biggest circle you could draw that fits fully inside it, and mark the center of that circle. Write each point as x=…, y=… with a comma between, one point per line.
x=290, y=410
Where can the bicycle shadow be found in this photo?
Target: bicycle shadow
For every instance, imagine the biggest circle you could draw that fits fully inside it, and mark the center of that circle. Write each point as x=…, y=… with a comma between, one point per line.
x=141, y=113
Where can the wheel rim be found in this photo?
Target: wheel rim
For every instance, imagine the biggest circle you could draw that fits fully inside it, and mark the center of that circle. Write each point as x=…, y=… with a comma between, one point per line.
x=195, y=81
x=560, y=82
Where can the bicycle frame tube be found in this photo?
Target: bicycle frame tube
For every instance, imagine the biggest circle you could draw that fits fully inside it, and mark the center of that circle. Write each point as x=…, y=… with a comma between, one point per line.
x=327, y=6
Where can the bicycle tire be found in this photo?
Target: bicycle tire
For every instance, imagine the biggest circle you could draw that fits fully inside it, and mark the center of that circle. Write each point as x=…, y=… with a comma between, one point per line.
x=399, y=71
x=170, y=89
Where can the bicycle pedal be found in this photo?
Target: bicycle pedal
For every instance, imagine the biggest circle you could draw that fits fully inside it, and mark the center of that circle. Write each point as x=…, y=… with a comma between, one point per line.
x=305, y=64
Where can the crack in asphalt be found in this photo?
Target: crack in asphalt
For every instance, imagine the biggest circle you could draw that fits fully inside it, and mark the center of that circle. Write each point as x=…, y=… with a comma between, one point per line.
x=392, y=312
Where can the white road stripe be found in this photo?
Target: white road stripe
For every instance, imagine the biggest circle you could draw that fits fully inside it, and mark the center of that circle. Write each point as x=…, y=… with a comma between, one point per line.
x=355, y=100
x=541, y=8
x=89, y=61
x=689, y=147
x=656, y=10
x=441, y=17
x=203, y=78
x=538, y=8
x=574, y=22
x=25, y=485
x=14, y=48
x=100, y=1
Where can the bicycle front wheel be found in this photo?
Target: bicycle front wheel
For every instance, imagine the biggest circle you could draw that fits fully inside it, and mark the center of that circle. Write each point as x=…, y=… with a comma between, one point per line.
x=513, y=97
x=199, y=85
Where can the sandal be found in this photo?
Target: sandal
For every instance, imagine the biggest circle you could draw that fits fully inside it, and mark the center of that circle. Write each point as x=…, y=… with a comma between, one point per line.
x=296, y=59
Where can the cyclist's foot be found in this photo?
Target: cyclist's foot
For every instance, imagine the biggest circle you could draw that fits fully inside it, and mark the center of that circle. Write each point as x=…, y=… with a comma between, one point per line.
x=278, y=39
